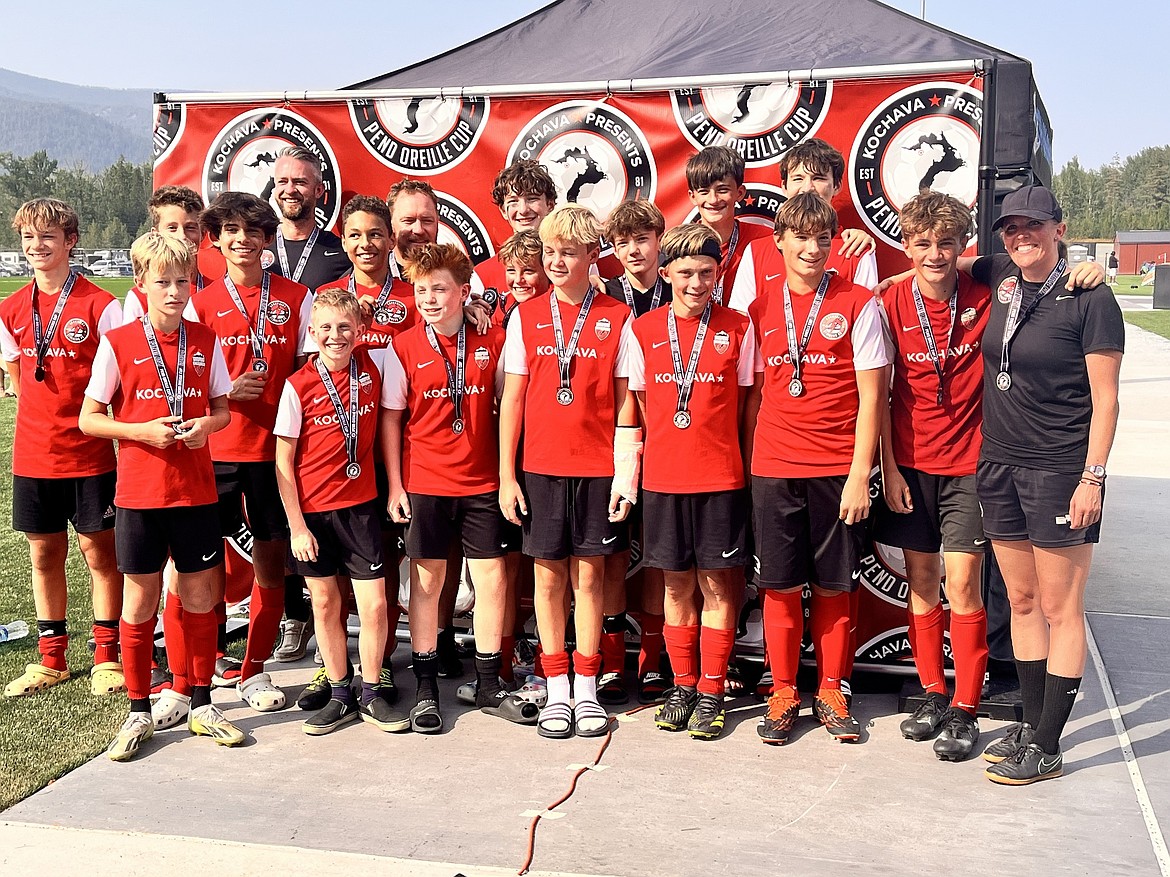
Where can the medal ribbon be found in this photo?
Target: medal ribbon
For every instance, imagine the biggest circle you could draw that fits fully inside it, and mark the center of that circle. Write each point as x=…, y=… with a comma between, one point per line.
x=795, y=351
x=732, y=246
x=174, y=393
x=628, y=290
x=928, y=332
x=347, y=421
x=301, y=262
x=383, y=296
x=565, y=354
x=261, y=317
x=1015, y=319
x=454, y=375
x=43, y=338
x=684, y=382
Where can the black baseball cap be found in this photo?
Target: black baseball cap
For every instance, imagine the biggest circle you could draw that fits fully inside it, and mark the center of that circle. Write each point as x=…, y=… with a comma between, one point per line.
x=1033, y=202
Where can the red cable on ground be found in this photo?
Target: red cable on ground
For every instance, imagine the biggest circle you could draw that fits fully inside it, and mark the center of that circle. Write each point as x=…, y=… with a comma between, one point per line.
x=531, y=854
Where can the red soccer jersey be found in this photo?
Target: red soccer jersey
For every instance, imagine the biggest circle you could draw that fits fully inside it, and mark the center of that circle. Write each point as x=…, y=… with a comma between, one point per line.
x=574, y=440
x=436, y=461
x=812, y=434
x=705, y=456
x=47, y=442
x=124, y=375
x=767, y=271
x=748, y=232
x=401, y=312
x=307, y=414
x=249, y=438
x=938, y=439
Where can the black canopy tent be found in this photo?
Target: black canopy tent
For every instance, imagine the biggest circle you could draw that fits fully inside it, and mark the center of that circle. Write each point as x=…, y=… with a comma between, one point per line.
x=577, y=45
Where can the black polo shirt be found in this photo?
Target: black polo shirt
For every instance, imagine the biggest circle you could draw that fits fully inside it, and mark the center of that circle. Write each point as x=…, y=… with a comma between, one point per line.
x=326, y=263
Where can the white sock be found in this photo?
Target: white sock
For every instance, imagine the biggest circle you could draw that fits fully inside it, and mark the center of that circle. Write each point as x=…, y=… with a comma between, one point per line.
x=558, y=688
x=584, y=687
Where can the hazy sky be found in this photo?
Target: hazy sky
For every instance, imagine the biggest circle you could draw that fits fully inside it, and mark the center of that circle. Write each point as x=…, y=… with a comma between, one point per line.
x=1097, y=64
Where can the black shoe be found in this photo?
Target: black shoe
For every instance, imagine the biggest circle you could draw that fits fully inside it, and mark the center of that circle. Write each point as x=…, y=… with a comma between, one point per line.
x=329, y=718
x=706, y=721
x=956, y=741
x=227, y=672
x=450, y=667
x=651, y=687
x=928, y=718
x=1015, y=736
x=611, y=689
x=380, y=713
x=1028, y=764
x=830, y=709
x=674, y=714
x=776, y=725
x=316, y=693
x=160, y=680
x=386, y=688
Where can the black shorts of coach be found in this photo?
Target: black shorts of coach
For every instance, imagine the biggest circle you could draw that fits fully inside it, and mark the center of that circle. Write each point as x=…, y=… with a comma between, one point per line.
x=800, y=537
x=437, y=521
x=349, y=540
x=50, y=505
x=945, y=515
x=1021, y=504
x=144, y=538
x=703, y=530
x=569, y=517
x=255, y=484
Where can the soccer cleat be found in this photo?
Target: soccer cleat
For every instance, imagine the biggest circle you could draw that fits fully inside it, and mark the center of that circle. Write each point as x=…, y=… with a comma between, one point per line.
x=674, y=714
x=611, y=689
x=170, y=709
x=706, y=721
x=381, y=714
x=831, y=710
x=926, y=719
x=227, y=672
x=1015, y=736
x=316, y=693
x=957, y=739
x=136, y=730
x=387, y=689
x=651, y=687
x=776, y=725
x=34, y=678
x=847, y=692
x=294, y=640
x=1028, y=764
x=208, y=721
x=330, y=717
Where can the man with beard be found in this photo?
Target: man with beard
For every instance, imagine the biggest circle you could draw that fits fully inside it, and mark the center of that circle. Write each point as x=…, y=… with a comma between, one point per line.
x=302, y=251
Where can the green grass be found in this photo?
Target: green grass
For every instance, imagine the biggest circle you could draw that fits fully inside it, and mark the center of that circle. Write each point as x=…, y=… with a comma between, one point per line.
x=119, y=286
x=1131, y=284
x=1153, y=321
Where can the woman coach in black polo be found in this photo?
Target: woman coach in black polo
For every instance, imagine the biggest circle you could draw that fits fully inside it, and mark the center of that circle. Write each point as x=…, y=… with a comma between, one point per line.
x=1052, y=357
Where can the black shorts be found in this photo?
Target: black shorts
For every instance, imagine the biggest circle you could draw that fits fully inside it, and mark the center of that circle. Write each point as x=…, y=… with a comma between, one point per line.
x=946, y=515
x=1021, y=504
x=703, y=530
x=800, y=537
x=255, y=483
x=569, y=517
x=50, y=505
x=189, y=534
x=348, y=540
x=436, y=521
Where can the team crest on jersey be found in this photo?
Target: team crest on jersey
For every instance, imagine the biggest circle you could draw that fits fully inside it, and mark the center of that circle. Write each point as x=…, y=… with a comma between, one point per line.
x=279, y=312
x=267, y=260
x=721, y=342
x=601, y=329
x=459, y=225
x=758, y=206
x=924, y=137
x=392, y=313
x=365, y=381
x=198, y=362
x=761, y=121
x=75, y=330
x=968, y=317
x=834, y=326
x=1007, y=288
x=595, y=153
x=481, y=357
x=169, y=122
x=420, y=136
x=242, y=158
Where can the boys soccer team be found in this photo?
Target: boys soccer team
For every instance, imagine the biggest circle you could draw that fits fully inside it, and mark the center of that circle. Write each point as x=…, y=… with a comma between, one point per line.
x=735, y=389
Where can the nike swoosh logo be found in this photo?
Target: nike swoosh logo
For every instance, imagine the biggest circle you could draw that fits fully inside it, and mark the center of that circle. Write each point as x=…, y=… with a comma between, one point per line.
x=1064, y=297
x=374, y=567
x=209, y=556
x=319, y=399
x=909, y=328
x=333, y=252
x=731, y=552
x=225, y=313
x=18, y=330
x=856, y=574
x=607, y=541
x=773, y=276
x=980, y=542
x=658, y=344
x=425, y=364
x=1047, y=766
x=503, y=544
x=770, y=331
x=544, y=325
x=139, y=361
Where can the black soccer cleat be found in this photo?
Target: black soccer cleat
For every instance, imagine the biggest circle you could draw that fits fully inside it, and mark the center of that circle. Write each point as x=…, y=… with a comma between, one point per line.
x=927, y=719
x=956, y=741
x=674, y=714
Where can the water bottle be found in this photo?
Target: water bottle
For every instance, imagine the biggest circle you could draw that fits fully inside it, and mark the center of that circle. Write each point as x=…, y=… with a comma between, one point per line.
x=13, y=630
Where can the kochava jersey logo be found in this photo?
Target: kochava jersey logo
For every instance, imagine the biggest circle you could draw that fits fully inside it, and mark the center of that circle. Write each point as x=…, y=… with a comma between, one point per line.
x=924, y=137
x=420, y=135
x=243, y=155
x=595, y=153
x=169, y=122
x=761, y=121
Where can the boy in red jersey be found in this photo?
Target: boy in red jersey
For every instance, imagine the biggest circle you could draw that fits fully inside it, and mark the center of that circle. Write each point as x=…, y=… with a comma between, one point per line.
x=261, y=320
x=561, y=388
x=326, y=429
x=930, y=449
x=525, y=194
x=174, y=212
x=442, y=460
x=49, y=334
x=168, y=385
x=815, y=408
x=715, y=186
x=690, y=365
x=524, y=276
